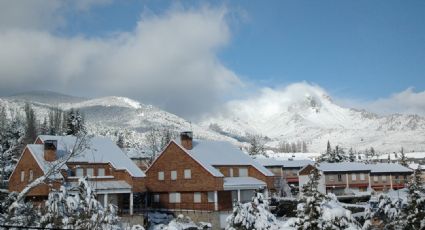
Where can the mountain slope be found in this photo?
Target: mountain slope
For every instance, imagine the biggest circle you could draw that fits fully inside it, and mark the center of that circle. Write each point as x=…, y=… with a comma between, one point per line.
x=304, y=112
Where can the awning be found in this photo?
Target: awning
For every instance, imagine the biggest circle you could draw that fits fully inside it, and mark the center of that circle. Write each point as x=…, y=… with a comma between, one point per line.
x=234, y=183
x=103, y=187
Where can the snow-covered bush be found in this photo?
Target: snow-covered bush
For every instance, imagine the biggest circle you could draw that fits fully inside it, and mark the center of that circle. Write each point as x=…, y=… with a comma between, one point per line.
x=252, y=215
x=180, y=223
x=415, y=208
x=83, y=211
x=22, y=214
x=387, y=212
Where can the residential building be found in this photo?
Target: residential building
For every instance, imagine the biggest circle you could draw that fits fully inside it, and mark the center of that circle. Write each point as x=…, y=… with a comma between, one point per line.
x=203, y=175
x=113, y=176
x=353, y=178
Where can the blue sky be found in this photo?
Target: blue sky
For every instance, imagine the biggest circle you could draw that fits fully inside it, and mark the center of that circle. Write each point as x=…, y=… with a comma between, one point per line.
x=362, y=49
x=365, y=54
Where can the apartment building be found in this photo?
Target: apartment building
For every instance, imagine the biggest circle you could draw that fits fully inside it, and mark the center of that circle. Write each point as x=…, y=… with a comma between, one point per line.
x=113, y=176
x=203, y=175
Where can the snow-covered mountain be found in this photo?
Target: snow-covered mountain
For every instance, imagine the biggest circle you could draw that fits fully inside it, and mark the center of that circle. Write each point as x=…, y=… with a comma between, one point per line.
x=299, y=112
x=110, y=115
x=303, y=112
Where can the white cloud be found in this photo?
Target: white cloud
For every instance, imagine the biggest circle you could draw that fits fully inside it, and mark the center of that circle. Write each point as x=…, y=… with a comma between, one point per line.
x=404, y=102
x=169, y=60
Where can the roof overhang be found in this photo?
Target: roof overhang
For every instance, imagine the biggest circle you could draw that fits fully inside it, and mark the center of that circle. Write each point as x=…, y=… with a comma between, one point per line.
x=241, y=183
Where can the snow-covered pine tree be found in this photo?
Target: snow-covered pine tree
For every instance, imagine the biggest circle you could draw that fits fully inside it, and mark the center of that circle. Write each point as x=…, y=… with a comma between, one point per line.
x=44, y=128
x=309, y=210
x=252, y=215
x=403, y=159
x=388, y=211
x=335, y=216
x=23, y=213
x=75, y=122
x=31, y=125
x=120, y=141
x=415, y=208
x=351, y=155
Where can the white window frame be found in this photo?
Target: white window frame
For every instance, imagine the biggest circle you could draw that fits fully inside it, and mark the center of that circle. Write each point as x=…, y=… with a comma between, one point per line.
x=353, y=177
x=99, y=170
x=90, y=172
x=375, y=178
x=174, y=175
x=197, y=198
x=384, y=178
x=174, y=197
x=31, y=176
x=77, y=170
x=161, y=175
x=362, y=176
x=187, y=174
x=22, y=176
x=230, y=172
x=211, y=197
x=243, y=170
x=156, y=198
x=331, y=178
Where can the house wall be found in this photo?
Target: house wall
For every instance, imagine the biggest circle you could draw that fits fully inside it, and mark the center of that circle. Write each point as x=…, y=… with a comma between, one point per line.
x=27, y=163
x=174, y=158
x=186, y=201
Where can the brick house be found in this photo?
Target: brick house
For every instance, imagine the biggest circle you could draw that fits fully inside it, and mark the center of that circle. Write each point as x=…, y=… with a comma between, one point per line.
x=113, y=176
x=351, y=178
x=203, y=175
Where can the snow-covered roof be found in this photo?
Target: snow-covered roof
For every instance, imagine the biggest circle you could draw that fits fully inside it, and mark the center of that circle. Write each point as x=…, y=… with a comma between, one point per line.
x=231, y=183
x=388, y=167
x=221, y=153
x=343, y=166
x=284, y=163
x=100, y=150
x=357, y=166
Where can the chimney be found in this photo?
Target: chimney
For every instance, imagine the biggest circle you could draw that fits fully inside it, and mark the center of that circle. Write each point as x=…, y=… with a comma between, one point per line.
x=50, y=147
x=186, y=139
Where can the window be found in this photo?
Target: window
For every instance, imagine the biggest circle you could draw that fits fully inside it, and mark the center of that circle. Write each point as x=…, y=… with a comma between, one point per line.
x=331, y=178
x=243, y=172
x=384, y=179
x=22, y=176
x=187, y=174
x=31, y=175
x=156, y=198
x=362, y=177
x=79, y=172
x=211, y=197
x=90, y=172
x=339, y=177
x=353, y=177
x=175, y=197
x=101, y=172
x=160, y=175
x=197, y=197
x=230, y=172
x=173, y=175
x=375, y=179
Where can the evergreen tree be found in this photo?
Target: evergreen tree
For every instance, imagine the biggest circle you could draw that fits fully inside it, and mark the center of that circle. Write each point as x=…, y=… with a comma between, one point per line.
x=44, y=128
x=252, y=215
x=403, y=159
x=304, y=150
x=351, y=155
x=387, y=210
x=31, y=125
x=75, y=122
x=328, y=149
x=120, y=141
x=415, y=208
x=308, y=210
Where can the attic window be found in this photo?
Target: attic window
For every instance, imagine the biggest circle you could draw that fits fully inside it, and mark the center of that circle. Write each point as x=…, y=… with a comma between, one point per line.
x=31, y=175
x=22, y=176
x=101, y=172
x=243, y=172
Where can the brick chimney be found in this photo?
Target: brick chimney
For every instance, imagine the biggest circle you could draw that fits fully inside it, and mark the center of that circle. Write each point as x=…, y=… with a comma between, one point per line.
x=50, y=147
x=186, y=139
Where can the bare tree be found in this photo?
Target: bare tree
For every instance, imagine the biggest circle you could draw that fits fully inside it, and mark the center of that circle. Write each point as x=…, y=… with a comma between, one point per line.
x=81, y=144
x=256, y=145
x=157, y=139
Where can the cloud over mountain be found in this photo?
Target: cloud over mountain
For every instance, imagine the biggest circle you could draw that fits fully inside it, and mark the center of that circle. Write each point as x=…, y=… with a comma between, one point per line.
x=169, y=60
